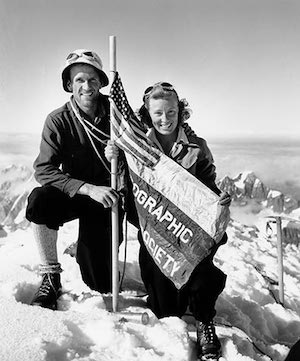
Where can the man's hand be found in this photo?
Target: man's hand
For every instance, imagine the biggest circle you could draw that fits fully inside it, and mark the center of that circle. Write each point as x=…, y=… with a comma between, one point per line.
x=107, y=196
x=225, y=199
x=111, y=150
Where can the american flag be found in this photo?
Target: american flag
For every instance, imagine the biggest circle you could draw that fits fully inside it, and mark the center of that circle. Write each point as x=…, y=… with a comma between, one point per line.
x=127, y=130
x=171, y=203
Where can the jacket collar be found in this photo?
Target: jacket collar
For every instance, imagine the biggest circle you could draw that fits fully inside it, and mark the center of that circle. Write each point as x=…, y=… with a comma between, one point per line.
x=181, y=137
x=183, y=151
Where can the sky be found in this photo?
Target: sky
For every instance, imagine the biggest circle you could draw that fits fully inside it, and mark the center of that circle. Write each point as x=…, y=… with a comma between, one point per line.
x=237, y=62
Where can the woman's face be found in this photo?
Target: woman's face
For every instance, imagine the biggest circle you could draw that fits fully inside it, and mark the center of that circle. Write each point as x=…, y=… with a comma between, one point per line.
x=164, y=114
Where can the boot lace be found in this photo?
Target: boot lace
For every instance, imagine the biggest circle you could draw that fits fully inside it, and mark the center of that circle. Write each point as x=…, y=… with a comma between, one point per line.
x=209, y=333
x=46, y=286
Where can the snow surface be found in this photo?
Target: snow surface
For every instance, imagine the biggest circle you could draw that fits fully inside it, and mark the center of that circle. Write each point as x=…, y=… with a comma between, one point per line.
x=250, y=322
x=274, y=194
x=240, y=184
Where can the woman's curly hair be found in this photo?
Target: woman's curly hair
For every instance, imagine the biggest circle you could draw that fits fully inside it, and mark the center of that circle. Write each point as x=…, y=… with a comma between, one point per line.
x=161, y=92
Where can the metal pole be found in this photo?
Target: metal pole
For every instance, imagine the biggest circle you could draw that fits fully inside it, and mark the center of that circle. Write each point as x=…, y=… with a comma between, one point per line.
x=114, y=213
x=280, y=260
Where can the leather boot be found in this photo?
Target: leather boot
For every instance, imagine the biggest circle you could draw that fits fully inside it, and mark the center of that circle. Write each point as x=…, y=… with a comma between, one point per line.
x=48, y=292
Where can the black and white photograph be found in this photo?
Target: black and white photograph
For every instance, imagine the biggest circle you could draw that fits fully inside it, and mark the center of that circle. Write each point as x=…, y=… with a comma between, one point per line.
x=150, y=180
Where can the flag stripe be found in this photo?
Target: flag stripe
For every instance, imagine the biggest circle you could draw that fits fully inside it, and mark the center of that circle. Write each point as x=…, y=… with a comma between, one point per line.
x=130, y=123
x=138, y=146
x=128, y=145
x=185, y=191
x=158, y=211
x=158, y=246
x=123, y=130
x=143, y=158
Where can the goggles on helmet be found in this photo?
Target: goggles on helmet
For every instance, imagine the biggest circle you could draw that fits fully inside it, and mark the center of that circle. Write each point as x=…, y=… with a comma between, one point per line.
x=162, y=85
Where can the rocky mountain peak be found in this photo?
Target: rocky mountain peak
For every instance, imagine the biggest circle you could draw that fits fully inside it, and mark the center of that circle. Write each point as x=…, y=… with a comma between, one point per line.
x=247, y=185
x=15, y=184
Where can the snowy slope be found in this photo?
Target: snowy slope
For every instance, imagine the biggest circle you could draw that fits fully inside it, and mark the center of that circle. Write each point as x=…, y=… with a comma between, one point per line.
x=250, y=323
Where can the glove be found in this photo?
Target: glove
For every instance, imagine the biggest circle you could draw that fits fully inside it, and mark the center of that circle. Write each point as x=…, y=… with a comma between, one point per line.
x=225, y=199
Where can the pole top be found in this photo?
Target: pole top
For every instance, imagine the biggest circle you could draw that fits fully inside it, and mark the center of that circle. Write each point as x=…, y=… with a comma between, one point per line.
x=112, y=56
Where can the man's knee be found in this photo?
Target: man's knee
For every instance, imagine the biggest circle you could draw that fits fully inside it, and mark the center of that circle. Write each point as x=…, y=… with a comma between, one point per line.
x=46, y=205
x=38, y=196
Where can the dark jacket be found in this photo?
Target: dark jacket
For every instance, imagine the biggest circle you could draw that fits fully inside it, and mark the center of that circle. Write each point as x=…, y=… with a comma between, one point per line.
x=67, y=159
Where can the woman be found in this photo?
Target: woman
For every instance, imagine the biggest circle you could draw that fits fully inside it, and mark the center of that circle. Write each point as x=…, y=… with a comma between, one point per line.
x=164, y=114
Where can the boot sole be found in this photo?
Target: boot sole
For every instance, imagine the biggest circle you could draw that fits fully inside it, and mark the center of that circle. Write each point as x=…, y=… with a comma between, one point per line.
x=209, y=357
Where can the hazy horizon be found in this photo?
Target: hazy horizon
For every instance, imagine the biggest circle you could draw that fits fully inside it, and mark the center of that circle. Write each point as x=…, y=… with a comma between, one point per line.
x=274, y=160
x=218, y=137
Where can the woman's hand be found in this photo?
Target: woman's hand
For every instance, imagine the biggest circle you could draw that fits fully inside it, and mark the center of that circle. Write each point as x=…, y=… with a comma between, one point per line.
x=111, y=151
x=225, y=199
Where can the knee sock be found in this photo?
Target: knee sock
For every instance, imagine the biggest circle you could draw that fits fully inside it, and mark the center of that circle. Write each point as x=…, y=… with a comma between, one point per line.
x=46, y=239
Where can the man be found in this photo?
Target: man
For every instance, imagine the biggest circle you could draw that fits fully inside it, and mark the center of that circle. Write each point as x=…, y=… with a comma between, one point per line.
x=75, y=180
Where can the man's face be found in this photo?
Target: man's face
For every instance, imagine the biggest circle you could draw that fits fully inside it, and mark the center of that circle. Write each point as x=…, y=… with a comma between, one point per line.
x=85, y=85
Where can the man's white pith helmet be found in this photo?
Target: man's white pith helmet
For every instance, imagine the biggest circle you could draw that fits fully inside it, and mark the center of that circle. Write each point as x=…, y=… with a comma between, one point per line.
x=83, y=56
